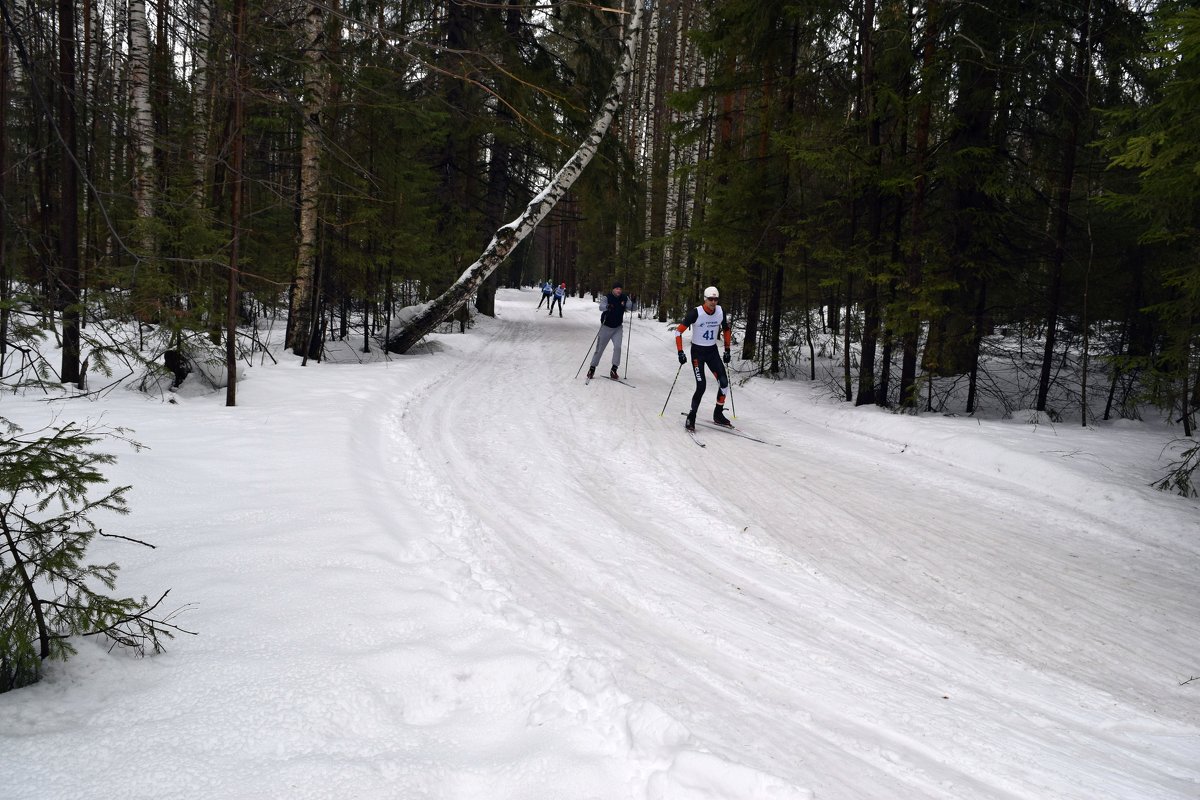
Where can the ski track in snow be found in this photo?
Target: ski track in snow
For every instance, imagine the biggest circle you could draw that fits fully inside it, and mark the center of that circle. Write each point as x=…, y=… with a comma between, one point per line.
x=944, y=605
x=497, y=582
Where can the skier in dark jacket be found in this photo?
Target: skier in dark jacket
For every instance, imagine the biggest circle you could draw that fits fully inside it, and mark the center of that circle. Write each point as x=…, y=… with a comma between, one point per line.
x=708, y=323
x=612, y=324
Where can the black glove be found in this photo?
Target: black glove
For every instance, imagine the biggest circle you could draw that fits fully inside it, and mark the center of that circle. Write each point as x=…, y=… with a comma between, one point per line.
x=603, y=318
x=726, y=358
x=682, y=358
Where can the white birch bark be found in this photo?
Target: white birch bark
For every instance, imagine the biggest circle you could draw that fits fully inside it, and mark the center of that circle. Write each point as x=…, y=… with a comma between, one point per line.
x=674, y=162
x=695, y=76
x=650, y=102
x=141, y=125
x=200, y=98
x=633, y=135
x=301, y=312
x=420, y=320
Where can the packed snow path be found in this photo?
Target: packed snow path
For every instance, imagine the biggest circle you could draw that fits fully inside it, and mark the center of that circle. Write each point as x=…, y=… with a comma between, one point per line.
x=465, y=574
x=840, y=613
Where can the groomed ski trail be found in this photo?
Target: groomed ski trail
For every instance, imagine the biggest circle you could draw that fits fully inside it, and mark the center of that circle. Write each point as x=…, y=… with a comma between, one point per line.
x=787, y=584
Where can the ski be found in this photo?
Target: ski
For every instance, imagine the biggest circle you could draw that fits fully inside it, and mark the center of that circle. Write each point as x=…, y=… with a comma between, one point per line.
x=586, y=381
x=735, y=432
x=738, y=432
x=692, y=435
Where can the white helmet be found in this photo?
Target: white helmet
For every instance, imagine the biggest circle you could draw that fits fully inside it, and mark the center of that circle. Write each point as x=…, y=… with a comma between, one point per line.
x=711, y=293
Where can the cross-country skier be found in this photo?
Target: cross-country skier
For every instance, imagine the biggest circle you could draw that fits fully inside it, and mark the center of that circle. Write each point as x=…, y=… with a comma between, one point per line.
x=547, y=294
x=559, y=294
x=708, y=323
x=612, y=324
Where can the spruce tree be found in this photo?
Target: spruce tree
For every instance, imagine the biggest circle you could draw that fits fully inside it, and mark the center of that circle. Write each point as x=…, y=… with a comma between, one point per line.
x=51, y=486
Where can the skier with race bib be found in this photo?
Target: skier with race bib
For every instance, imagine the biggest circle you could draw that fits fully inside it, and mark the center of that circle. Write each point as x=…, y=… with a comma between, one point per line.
x=708, y=324
x=559, y=294
x=547, y=294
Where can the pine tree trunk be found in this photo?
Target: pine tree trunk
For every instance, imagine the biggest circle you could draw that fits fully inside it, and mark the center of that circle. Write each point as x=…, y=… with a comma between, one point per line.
x=235, y=214
x=1116, y=374
x=947, y=352
x=499, y=178
x=846, y=341
x=976, y=343
x=753, y=308
x=874, y=204
x=789, y=113
x=1076, y=104
x=912, y=325
x=776, y=318
x=4, y=279
x=757, y=268
x=812, y=353
x=1185, y=404
x=69, y=278
x=428, y=317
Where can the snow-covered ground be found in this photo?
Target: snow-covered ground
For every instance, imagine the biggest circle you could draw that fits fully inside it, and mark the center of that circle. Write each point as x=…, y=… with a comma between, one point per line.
x=462, y=573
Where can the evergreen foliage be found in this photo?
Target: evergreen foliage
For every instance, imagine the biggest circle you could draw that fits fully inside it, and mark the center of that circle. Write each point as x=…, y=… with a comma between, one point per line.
x=51, y=491
x=1158, y=143
x=916, y=177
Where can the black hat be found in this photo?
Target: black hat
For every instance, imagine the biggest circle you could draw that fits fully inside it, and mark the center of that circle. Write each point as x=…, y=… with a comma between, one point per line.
x=616, y=284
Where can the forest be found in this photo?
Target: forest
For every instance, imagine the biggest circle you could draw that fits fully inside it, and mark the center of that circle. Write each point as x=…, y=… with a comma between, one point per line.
x=918, y=185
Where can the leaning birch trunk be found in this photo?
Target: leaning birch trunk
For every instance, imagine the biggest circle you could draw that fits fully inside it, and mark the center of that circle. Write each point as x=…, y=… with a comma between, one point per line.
x=142, y=123
x=302, y=310
x=423, y=319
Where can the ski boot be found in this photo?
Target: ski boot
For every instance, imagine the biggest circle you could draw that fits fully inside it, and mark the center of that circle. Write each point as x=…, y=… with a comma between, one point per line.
x=612, y=373
x=719, y=417
x=591, y=373
x=690, y=422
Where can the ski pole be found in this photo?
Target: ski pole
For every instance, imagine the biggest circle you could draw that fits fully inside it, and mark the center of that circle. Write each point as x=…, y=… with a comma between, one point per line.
x=589, y=350
x=664, y=410
x=732, y=407
x=628, y=345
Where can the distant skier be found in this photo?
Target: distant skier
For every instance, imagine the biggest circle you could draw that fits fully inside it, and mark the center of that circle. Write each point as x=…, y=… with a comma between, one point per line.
x=612, y=324
x=708, y=322
x=547, y=295
x=559, y=294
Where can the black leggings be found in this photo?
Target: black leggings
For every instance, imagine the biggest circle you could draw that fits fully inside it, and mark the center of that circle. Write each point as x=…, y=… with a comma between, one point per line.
x=706, y=356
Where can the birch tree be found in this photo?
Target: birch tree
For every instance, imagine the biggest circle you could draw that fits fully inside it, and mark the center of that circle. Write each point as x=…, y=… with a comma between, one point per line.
x=141, y=124
x=302, y=312
x=651, y=105
x=200, y=99
x=423, y=319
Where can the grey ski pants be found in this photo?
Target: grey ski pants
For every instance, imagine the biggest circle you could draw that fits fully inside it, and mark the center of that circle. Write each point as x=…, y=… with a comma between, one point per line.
x=605, y=336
